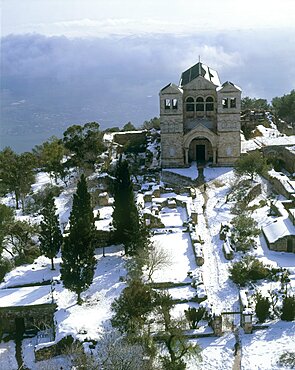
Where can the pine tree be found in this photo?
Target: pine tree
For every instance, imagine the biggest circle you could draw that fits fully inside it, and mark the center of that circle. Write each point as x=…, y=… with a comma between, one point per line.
x=78, y=259
x=127, y=223
x=50, y=235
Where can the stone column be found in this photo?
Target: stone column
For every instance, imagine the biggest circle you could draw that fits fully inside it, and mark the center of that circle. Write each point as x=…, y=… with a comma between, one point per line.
x=247, y=323
x=217, y=325
x=214, y=155
x=186, y=156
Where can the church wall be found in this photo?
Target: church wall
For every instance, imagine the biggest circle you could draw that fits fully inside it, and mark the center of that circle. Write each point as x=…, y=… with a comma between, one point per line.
x=171, y=123
x=229, y=147
x=172, y=151
x=228, y=122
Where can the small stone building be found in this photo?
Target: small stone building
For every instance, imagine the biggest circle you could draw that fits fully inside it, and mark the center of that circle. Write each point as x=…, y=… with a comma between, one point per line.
x=280, y=235
x=200, y=119
x=26, y=308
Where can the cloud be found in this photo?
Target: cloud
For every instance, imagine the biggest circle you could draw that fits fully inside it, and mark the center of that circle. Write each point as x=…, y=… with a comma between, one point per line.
x=63, y=81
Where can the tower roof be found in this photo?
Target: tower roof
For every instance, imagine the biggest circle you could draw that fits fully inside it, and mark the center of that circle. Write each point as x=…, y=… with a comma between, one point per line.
x=197, y=70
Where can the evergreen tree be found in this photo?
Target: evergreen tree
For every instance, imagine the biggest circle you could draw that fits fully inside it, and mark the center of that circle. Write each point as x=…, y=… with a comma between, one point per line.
x=17, y=174
x=285, y=106
x=262, y=307
x=132, y=307
x=129, y=228
x=84, y=143
x=78, y=259
x=50, y=155
x=288, y=309
x=50, y=235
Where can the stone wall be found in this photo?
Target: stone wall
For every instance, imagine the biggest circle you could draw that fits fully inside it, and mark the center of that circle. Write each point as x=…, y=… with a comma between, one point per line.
x=254, y=192
x=281, y=245
x=229, y=148
x=52, y=349
x=33, y=316
x=172, y=178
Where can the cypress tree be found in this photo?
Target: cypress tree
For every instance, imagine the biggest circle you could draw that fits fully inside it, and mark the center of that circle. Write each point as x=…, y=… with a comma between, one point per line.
x=78, y=259
x=50, y=235
x=126, y=220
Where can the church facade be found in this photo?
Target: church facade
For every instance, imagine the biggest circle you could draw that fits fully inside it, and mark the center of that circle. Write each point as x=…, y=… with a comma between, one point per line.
x=200, y=119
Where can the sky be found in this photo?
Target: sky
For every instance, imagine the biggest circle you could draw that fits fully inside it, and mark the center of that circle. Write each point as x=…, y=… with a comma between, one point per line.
x=68, y=62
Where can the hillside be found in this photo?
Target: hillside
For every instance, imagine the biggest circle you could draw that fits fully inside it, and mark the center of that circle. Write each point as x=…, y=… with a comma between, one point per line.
x=185, y=210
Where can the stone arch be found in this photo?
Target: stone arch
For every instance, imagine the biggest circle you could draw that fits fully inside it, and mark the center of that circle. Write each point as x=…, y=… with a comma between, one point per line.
x=200, y=132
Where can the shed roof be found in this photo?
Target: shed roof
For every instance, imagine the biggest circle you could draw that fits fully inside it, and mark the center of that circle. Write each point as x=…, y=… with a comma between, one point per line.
x=25, y=296
x=278, y=230
x=199, y=69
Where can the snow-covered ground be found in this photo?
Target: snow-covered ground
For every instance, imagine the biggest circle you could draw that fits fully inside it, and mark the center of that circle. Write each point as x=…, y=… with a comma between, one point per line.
x=191, y=172
x=217, y=353
x=179, y=248
x=260, y=350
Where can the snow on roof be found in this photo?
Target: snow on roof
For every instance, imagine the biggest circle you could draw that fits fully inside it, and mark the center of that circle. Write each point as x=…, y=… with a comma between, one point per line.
x=199, y=69
x=26, y=296
x=228, y=83
x=271, y=141
x=278, y=229
x=172, y=86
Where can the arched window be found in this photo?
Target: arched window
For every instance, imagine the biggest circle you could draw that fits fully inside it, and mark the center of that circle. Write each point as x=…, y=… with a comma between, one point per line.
x=209, y=104
x=200, y=105
x=190, y=106
x=167, y=104
x=233, y=102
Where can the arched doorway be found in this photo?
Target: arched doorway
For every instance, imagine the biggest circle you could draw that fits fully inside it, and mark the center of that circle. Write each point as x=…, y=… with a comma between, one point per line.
x=200, y=144
x=200, y=150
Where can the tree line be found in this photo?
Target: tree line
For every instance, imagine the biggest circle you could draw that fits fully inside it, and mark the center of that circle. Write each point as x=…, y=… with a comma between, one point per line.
x=283, y=106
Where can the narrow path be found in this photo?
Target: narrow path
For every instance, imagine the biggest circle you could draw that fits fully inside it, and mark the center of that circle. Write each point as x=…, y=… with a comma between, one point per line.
x=222, y=293
x=210, y=267
x=18, y=353
x=238, y=352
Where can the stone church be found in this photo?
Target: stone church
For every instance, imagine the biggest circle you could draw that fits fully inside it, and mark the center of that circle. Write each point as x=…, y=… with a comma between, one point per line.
x=200, y=119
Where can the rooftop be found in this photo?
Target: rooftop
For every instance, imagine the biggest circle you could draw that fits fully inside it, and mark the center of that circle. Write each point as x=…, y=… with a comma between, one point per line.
x=25, y=296
x=197, y=70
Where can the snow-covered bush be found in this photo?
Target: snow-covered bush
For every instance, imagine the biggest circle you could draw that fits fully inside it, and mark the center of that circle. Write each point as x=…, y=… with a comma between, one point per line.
x=287, y=359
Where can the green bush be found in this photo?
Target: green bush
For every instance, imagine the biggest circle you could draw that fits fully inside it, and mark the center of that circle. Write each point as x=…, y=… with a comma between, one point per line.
x=5, y=266
x=244, y=231
x=132, y=307
x=262, y=307
x=172, y=365
x=288, y=309
x=27, y=256
x=248, y=269
x=194, y=316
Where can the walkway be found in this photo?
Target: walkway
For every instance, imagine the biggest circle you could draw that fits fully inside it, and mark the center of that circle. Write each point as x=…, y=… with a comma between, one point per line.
x=223, y=294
